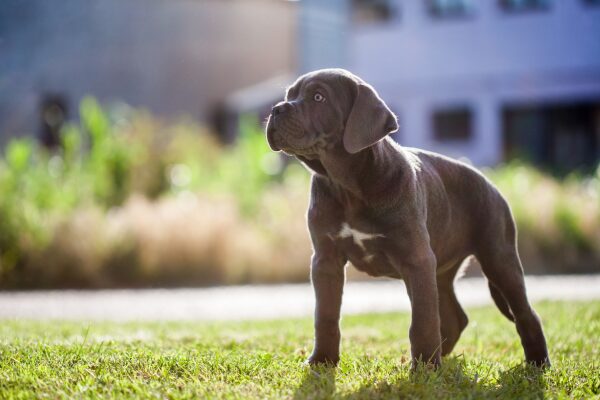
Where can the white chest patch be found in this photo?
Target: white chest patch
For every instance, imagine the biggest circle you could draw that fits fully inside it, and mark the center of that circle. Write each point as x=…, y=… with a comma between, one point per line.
x=357, y=236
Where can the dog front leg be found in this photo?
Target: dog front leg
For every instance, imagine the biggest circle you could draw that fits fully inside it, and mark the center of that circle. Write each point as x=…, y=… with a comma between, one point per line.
x=420, y=277
x=328, y=276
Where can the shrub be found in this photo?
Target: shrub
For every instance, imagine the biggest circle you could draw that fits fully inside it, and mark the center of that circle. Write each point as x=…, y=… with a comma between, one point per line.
x=133, y=201
x=558, y=220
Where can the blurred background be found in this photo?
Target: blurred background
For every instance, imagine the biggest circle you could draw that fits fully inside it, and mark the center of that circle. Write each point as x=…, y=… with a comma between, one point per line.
x=132, y=151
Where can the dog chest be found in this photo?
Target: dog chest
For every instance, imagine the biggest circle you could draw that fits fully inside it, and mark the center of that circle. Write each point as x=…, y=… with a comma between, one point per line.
x=357, y=237
x=363, y=249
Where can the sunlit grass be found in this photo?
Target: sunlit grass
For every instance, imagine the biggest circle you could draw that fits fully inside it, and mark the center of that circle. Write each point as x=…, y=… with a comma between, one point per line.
x=264, y=359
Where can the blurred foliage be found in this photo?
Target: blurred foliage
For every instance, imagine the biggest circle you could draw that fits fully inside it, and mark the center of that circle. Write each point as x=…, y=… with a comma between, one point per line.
x=558, y=219
x=38, y=186
x=244, y=170
x=112, y=156
x=130, y=200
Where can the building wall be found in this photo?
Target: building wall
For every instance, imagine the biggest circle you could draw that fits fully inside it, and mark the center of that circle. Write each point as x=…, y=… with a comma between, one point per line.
x=324, y=39
x=170, y=56
x=485, y=60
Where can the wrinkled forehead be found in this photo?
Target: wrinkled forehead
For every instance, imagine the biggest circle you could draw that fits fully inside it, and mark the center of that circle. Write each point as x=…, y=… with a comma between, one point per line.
x=331, y=81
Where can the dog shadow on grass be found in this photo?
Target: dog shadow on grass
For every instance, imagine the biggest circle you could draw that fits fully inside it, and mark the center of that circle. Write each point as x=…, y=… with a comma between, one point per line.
x=451, y=381
x=318, y=383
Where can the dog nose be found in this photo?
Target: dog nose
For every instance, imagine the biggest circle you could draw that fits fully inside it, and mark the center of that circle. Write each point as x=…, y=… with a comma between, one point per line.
x=280, y=108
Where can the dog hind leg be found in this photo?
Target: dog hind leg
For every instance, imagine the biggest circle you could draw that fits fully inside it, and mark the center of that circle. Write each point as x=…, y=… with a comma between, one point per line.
x=502, y=266
x=453, y=319
x=500, y=302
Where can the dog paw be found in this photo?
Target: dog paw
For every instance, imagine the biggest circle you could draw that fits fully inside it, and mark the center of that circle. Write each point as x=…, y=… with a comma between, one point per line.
x=323, y=359
x=432, y=365
x=543, y=363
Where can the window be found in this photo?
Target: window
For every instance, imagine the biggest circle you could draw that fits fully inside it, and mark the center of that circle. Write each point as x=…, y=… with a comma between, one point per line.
x=452, y=124
x=53, y=115
x=450, y=8
x=560, y=136
x=369, y=11
x=524, y=5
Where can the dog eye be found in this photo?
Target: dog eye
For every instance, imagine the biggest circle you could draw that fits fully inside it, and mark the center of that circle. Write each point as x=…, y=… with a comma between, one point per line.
x=318, y=97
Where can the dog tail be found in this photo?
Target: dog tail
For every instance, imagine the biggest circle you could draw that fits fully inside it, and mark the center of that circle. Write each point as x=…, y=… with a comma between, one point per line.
x=501, y=302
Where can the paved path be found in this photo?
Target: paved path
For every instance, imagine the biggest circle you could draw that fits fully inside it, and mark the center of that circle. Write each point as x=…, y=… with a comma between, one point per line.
x=259, y=302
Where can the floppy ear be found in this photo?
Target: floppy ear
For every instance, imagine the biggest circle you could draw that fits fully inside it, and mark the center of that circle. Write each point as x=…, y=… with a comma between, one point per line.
x=369, y=121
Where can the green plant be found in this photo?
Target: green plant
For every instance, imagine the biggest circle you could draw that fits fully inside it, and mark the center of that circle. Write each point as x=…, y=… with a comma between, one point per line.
x=132, y=200
x=558, y=219
x=244, y=170
x=39, y=187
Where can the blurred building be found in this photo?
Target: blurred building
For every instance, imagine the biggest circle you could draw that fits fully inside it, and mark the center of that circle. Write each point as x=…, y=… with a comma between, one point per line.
x=487, y=80
x=170, y=56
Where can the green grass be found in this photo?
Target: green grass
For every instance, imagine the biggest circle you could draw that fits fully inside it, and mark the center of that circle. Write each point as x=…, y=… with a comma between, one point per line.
x=265, y=359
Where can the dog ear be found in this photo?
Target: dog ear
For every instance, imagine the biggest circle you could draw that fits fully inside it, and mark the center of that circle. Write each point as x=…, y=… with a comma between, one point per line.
x=369, y=121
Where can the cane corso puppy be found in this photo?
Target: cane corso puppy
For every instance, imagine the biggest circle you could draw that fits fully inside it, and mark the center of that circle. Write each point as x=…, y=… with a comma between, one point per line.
x=397, y=212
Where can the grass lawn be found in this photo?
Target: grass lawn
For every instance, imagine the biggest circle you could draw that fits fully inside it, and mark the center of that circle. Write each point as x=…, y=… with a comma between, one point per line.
x=264, y=359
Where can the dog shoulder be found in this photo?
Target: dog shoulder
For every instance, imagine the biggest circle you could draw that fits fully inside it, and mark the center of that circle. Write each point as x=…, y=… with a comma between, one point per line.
x=324, y=213
x=321, y=197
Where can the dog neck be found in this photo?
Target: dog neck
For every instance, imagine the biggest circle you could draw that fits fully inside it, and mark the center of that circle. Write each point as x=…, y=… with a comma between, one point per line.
x=366, y=174
x=313, y=165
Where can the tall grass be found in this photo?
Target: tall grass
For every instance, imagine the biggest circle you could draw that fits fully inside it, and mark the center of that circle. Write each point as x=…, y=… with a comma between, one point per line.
x=133, y=201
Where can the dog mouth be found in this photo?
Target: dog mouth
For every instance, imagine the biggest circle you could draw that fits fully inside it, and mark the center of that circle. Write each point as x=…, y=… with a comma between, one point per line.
x=272, y=139
x=284, y=138
x=277, y=141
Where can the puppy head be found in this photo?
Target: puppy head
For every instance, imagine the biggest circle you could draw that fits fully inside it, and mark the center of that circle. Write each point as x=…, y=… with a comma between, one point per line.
x=326, y=109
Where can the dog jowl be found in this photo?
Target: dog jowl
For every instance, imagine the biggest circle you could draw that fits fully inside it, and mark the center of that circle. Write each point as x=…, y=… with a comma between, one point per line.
x=397, y=212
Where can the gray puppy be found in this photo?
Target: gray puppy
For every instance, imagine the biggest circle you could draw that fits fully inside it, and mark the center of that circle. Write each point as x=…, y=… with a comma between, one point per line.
x=396, y=212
